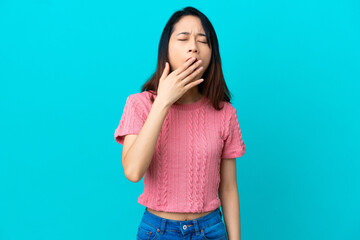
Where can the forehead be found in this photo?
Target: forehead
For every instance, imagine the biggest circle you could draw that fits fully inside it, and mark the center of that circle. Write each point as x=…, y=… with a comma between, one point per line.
x=189, y=24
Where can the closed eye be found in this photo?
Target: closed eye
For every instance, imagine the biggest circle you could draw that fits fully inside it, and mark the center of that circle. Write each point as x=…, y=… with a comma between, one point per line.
x=185, y=40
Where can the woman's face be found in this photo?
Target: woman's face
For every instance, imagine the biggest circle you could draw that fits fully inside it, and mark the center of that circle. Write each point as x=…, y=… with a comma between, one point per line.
x=188, y=40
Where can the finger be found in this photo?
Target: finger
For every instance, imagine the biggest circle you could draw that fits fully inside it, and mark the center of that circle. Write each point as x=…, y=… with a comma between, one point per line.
x=190, y=70
x=190, y=77
x=184, y=66
x=193, y=84
x=165, y=72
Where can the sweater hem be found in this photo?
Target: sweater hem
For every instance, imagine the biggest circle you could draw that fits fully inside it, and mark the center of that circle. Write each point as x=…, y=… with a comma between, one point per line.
x=170, y=209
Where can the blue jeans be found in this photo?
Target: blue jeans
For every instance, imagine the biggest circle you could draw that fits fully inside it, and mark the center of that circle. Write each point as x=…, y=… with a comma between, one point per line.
x=209, y=227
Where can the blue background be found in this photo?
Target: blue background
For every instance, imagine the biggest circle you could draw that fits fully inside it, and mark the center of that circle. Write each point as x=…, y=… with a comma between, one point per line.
x=67, y=67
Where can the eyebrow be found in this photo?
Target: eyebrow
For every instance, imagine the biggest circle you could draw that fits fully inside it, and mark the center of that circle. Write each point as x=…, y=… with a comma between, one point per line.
x=187, y=33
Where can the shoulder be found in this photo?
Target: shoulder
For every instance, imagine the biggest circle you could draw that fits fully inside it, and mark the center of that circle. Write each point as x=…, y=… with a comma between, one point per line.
x=142, y=100
x=140, y=97
x=228, y=109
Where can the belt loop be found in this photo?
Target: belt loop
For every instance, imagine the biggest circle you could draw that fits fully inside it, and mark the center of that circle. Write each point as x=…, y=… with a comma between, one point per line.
x=196, y=226
x=162, y=227
x=220, y=212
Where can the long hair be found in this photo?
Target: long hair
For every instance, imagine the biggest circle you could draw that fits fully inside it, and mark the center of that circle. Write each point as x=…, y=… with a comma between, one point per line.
x=213, y=87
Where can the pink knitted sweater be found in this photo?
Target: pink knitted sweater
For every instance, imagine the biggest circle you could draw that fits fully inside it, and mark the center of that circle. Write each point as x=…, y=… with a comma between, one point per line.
x=184, y=173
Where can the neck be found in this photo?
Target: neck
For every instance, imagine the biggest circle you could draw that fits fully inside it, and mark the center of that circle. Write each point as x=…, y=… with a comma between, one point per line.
x=190, y=96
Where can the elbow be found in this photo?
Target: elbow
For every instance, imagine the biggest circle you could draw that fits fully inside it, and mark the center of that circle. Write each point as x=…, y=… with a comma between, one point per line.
x=131, y=172
x=134, y=180
x=132, y=177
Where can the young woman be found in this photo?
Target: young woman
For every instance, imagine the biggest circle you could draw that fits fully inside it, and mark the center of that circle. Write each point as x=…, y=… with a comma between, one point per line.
x=183, y=134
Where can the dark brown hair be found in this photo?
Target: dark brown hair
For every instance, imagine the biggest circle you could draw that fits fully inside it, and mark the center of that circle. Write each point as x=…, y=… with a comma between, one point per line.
x=213, y=87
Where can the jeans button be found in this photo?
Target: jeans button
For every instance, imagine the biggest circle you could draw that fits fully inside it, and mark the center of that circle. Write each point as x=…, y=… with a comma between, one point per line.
x=184, y=227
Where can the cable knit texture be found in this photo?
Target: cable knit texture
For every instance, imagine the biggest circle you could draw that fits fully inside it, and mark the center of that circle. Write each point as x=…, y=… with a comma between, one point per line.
x=184, y=173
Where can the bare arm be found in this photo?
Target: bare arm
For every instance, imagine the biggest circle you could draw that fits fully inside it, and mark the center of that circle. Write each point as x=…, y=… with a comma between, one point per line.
x=172, y=86
x=229, y=197
x=137, y=158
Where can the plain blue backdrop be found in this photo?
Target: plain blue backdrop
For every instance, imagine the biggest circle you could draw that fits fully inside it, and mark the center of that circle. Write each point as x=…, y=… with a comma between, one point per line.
x=67, y=67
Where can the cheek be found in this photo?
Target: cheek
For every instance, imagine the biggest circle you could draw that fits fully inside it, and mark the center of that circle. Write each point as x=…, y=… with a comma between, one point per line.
x=209, y=58
x=208, y=62
x=174, y=51
x=175, y=57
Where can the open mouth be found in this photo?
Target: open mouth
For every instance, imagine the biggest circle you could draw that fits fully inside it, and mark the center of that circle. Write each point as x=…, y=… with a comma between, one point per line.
x=190, y=58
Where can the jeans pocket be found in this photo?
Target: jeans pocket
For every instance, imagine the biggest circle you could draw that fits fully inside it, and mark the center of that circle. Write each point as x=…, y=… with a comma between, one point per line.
x=146, y=232
x=216, y=231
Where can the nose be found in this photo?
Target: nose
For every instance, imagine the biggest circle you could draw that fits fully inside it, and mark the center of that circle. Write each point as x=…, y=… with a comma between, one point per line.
x=193, y=47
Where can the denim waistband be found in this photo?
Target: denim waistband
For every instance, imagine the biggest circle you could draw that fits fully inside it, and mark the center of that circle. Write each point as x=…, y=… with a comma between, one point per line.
x=188, y=226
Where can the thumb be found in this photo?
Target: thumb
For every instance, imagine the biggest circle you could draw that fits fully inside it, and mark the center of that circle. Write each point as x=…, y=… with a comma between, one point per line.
x=165, y=72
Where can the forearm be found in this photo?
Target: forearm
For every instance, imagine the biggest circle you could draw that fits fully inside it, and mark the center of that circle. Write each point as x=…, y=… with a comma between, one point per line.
x=139, y=155
x=231, y=212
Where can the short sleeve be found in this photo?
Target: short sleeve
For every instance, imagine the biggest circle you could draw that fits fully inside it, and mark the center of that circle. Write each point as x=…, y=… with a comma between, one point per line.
x=234, y=146
x=132, y=119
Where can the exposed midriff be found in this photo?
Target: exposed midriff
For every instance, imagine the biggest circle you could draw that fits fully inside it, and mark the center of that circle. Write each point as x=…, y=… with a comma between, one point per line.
x=178, y=216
